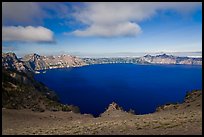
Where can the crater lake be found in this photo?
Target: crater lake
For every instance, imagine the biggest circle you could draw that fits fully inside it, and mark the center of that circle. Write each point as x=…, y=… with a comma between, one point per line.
x=132, y=86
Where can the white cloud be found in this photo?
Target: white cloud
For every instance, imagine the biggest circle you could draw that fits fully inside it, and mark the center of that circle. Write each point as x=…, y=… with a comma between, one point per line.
x=26, y=34
x=122, y=29
x=121, y=19
x=102, y=18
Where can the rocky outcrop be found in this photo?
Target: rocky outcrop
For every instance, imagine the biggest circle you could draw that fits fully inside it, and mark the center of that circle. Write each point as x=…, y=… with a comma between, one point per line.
x=113, y=106
x=192, y=96
x=10, y=61
x=35, y=61
x=114, y=110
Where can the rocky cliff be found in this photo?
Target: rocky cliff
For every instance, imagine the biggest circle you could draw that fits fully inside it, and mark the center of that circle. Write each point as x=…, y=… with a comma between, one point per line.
x=33, y=62
x=10, y=61
x=37, y=62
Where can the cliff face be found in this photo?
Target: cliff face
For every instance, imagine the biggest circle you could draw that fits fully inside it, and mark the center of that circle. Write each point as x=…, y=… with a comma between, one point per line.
x=37, y=62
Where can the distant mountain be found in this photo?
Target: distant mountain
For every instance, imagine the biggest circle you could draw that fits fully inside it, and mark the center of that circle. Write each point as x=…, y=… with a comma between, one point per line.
x=147, y=59
x=33, y=62
x=169, y=59
x=111, y=60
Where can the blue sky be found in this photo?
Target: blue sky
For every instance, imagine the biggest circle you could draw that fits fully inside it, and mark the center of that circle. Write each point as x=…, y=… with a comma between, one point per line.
x=101, y=28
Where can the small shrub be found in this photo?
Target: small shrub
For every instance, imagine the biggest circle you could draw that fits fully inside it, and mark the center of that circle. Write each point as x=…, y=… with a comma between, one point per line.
x=131, y=111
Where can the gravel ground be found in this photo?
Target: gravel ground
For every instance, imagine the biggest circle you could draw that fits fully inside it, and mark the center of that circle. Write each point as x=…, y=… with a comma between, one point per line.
x=185, y=119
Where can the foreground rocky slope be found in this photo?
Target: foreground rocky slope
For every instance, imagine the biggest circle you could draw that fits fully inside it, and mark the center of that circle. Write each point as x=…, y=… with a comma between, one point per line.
x=184, y=119
x=21, y=91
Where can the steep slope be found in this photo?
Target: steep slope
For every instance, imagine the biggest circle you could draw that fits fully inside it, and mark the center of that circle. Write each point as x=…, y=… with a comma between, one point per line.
x=20, y=90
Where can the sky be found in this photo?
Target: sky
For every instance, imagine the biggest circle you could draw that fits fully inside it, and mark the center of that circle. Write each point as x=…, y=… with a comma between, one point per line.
x=101, y=28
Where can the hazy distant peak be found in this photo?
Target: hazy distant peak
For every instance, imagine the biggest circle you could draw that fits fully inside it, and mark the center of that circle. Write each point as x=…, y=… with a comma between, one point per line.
x=165, y=55
x=148, y=55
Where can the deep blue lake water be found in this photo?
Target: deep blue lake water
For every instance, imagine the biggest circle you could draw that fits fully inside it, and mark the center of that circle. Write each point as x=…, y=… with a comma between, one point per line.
x=139, y=87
